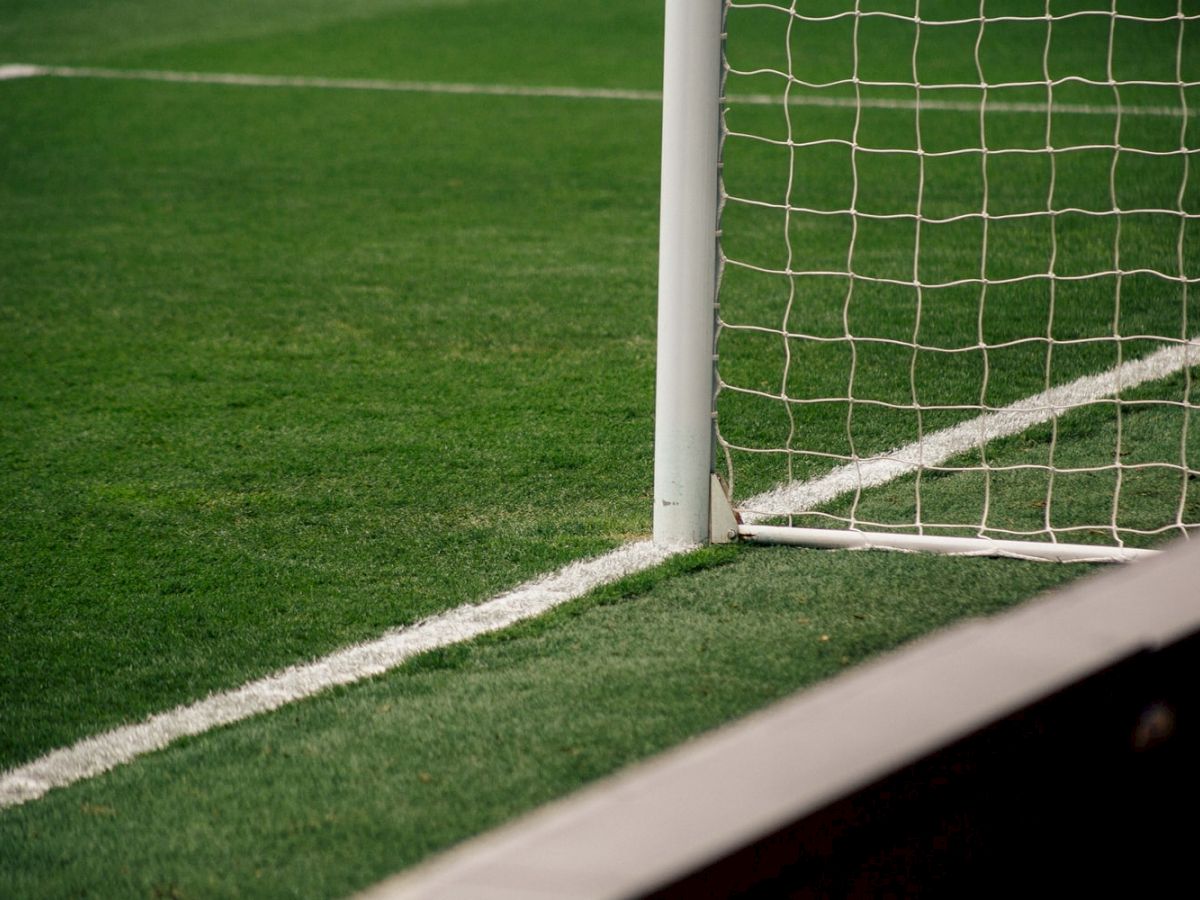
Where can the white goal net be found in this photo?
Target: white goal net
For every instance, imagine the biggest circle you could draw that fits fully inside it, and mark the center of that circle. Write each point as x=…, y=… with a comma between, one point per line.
x=958, y=254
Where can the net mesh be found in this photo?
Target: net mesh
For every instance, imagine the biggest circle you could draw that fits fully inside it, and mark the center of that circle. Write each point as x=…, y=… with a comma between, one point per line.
x=958, y=262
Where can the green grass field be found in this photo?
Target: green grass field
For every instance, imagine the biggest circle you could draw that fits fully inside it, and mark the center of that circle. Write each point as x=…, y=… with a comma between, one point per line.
x=290, y=367
x=285, y=368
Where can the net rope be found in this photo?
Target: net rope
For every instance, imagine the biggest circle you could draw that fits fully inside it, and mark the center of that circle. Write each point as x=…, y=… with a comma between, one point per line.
x=970, y=241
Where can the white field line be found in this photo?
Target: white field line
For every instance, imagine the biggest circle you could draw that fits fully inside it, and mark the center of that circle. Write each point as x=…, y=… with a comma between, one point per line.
x=96, y=755
x=337, y=84
x=18, y=70
x=1004, y=106
x=940, y=446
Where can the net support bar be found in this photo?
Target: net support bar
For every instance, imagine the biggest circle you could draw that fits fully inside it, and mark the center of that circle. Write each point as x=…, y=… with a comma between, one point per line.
x=687, y=271
x=831, y=539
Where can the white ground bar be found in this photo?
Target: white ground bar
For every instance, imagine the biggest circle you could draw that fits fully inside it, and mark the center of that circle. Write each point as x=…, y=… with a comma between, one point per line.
x=835, y=539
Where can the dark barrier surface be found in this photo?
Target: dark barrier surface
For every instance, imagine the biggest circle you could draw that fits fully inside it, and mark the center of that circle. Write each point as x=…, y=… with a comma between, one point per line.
x=1093, y=789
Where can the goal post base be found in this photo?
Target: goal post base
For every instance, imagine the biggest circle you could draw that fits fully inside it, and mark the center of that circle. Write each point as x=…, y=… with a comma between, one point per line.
x=928, y=543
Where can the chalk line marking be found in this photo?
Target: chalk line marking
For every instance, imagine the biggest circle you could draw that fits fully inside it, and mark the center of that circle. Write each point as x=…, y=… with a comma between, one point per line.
x=573, y=93
x=940, y=446
x=16, y=70
x=343, y=84
x=100, y=753
x=95, y=755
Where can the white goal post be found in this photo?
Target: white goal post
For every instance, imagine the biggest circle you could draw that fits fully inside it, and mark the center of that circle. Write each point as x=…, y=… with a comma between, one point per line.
x=927, y=275
x=683, y=449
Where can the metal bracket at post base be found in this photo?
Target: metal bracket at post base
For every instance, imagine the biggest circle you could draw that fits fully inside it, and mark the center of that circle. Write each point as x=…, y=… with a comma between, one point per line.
x=723, y=520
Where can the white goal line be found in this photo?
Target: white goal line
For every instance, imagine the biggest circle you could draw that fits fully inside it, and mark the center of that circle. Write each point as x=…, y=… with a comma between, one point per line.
x=22, y=70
